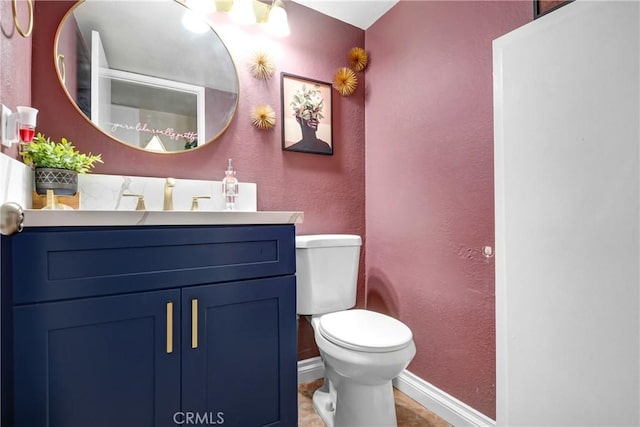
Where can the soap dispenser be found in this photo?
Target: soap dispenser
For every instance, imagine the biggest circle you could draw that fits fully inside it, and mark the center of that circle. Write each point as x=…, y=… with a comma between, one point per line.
x=230, y=187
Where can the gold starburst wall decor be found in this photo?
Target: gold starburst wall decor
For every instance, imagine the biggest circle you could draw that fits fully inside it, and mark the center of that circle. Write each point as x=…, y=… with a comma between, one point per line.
x=358, y=58
x=261, y=66
x=345, y=81
x=263, y=116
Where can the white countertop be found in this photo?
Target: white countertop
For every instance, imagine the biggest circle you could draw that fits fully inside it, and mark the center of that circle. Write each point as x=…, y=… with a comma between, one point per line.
x=80, y=218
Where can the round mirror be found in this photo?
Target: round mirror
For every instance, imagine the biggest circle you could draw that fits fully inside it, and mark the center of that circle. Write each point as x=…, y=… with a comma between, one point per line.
x=150, y=74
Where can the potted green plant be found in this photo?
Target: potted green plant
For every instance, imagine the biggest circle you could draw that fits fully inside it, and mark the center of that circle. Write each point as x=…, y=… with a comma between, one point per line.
x=56, y=164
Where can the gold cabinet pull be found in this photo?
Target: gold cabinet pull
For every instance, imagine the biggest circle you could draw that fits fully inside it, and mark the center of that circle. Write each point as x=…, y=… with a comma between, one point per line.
x=194, y=323
x=169, y=327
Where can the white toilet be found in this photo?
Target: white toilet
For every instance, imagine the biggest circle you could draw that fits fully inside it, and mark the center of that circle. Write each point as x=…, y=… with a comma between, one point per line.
x=362, y=350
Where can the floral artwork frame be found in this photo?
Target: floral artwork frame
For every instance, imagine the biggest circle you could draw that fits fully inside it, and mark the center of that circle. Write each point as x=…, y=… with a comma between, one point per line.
x=542, y=7
x=307, y=111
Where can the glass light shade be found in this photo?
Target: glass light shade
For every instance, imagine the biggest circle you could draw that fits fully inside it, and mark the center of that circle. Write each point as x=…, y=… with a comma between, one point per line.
x=242, y=12
x=278, y=22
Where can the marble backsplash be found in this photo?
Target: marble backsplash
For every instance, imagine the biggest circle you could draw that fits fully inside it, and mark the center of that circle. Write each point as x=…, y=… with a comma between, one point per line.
x=105, y=192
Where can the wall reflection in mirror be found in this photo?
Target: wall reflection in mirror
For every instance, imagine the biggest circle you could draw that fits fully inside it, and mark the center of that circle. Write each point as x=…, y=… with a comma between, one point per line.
x=136, y=72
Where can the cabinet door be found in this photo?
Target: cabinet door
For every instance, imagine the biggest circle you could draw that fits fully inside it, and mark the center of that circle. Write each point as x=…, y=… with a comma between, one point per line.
x=97, y=362
x=239, y=359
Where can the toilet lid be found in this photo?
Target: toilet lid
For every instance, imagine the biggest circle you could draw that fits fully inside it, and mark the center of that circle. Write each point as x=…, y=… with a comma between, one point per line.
x=365, y=330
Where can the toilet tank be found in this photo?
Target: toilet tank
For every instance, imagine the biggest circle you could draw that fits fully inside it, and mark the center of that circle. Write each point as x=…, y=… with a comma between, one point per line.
x=326, y=272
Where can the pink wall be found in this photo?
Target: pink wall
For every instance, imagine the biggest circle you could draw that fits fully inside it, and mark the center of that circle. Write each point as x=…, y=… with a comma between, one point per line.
x=429, y=184
x=15, y=63
x=329, y=189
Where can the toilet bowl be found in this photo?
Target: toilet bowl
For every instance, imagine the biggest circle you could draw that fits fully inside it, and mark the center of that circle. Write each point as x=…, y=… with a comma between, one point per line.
x=362, y=350
x=358, y=372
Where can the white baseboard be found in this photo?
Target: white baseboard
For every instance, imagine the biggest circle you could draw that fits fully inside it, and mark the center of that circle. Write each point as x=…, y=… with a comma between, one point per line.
x=447, y=407
x=310, y=369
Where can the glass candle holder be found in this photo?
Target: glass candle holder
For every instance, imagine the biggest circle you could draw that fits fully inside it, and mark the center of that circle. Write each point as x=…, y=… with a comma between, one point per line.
x=26, y=123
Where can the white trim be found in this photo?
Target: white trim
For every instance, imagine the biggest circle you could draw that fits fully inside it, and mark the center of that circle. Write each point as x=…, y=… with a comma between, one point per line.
x=310, y=369
x=500, y=230
x=127, y=76
x=443, y=404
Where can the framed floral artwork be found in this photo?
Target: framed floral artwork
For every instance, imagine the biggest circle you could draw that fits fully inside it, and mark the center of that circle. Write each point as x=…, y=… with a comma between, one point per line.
x=306, y=115
x=542, y=7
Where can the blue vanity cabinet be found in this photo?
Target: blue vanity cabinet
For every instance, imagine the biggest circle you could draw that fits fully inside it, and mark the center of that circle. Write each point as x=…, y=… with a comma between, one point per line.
x=97, y=362
x=236, y=358
x=149, y=326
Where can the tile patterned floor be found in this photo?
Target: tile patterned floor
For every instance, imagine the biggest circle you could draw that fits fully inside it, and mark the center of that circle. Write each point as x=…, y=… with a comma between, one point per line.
x=408, y=411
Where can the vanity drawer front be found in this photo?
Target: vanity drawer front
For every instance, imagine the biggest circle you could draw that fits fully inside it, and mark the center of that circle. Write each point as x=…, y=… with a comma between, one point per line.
x=56, y=264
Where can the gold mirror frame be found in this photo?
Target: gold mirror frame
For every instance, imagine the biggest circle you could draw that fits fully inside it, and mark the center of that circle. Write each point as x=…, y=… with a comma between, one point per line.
x=218, y=124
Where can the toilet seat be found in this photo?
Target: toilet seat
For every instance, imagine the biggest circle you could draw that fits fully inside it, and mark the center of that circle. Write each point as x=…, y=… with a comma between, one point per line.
x=365, y=330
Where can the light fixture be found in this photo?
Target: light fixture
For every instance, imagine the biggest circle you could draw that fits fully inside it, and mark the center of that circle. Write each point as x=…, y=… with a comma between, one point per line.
x=242, y=12
x=205, y=7
x=271, y=13
x=223, y=5
x=195, y=17
x=194, y=22
x=278, y=23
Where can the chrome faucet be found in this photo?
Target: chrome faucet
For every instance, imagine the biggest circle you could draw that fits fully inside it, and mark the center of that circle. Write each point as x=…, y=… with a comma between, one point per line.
x=168, y=194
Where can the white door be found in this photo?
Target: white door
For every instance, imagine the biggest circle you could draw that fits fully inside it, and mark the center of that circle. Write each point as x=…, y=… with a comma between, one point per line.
x=100, y=84
x=567, y=169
